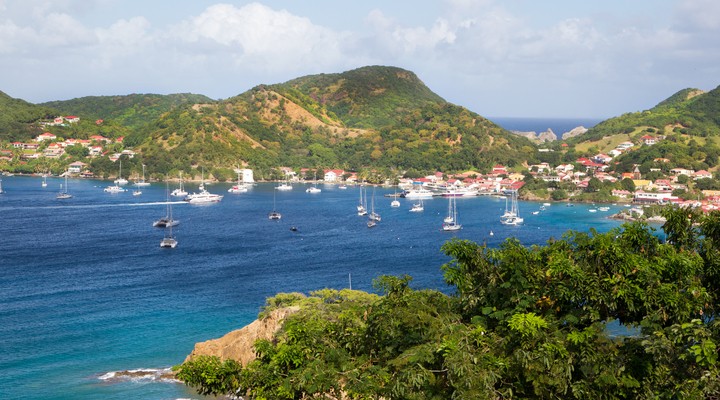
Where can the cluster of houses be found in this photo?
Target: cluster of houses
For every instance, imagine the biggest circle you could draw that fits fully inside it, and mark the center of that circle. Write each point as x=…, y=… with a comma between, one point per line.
x=96, y=145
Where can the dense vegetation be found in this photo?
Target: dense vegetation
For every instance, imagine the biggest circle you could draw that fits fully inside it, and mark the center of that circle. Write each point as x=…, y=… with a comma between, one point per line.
x=131, y=111
x=17, y=117
x=373, y=118
x=522, y=322
x=688, y=112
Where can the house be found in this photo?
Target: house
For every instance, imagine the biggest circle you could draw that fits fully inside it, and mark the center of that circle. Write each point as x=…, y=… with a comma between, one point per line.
x=542, y=167
x=625, y=145
x=54, y=150
x=99, y=122
x=652, y=197
x=702, y=174
x=333, y=175
x=602, y=158
x=663, y=185
x=95, y=151
x=128, y=152
x=76, y=167
x=682, y=171
x=499, y=170
x=72, y=119
x=564, y=168
x=649, y=140
x=614, y=153
x=45, y=136
x=516, y=177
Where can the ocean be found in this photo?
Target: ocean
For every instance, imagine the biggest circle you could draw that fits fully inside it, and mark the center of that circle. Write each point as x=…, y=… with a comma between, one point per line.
x=85, y=289
x=538, y=125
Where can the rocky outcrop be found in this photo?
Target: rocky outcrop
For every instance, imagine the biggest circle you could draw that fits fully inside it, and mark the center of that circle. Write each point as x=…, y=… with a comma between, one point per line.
x=574, y=132
x=547, y=136
x=238, y=345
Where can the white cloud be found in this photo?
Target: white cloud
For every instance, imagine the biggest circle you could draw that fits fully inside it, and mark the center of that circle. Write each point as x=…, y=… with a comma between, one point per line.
x=56, y=49
x=257, y=36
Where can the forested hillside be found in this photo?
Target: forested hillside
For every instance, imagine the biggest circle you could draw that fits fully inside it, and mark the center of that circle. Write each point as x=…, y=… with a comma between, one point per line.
x=17, y=116
x=374, y=117
x=131, y=111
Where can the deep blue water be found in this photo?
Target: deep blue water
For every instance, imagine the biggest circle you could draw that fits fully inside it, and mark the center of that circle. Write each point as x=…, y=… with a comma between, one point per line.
x=538, y=125
x=85, y=288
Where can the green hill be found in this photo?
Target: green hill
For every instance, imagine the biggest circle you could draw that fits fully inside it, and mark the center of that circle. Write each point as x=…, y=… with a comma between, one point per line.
x=372, y=118
x=131, y=111
x=689, y=111
x=687, y=125
x=17, y=116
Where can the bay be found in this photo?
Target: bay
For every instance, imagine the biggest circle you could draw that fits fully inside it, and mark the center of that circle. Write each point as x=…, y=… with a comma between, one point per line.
x=85, y=288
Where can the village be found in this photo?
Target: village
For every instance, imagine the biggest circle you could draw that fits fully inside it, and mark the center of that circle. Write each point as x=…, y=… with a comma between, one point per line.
x=576, y=177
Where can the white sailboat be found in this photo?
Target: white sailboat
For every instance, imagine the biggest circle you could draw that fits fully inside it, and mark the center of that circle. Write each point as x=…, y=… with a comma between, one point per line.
x=169, y=240
x=512, y=215
x=1, y=189
x=120, y=180
x=395, y=202
x=142, y=182
x=166, y=221
x=451, y=221
x=418, y=207
x=373, y=215
x=180, y=190
x=285, y=185
x=44, y=182
x=241, y=187
x=450, y=218
x=64, y=190
x=274, y=214
x=314, y=189
x=361, y=209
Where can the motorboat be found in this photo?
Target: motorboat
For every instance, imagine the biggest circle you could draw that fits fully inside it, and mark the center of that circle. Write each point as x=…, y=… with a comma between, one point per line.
x=137, y=192
x=203, y=196
x=417, y=193
x=114, y=189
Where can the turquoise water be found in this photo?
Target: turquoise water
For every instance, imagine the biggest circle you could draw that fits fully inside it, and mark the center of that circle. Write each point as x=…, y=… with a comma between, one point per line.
x=85, y=289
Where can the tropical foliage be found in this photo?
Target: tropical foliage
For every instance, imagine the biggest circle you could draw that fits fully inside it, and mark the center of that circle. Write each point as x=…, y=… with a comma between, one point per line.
x=17, y=117
x=616, y=315
x=132, y=111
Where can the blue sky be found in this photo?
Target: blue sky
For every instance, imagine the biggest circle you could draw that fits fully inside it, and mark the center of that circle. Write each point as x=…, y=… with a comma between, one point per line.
x=511, y=58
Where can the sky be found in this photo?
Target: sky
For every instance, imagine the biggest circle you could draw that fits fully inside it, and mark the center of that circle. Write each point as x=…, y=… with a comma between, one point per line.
x=501, y=58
